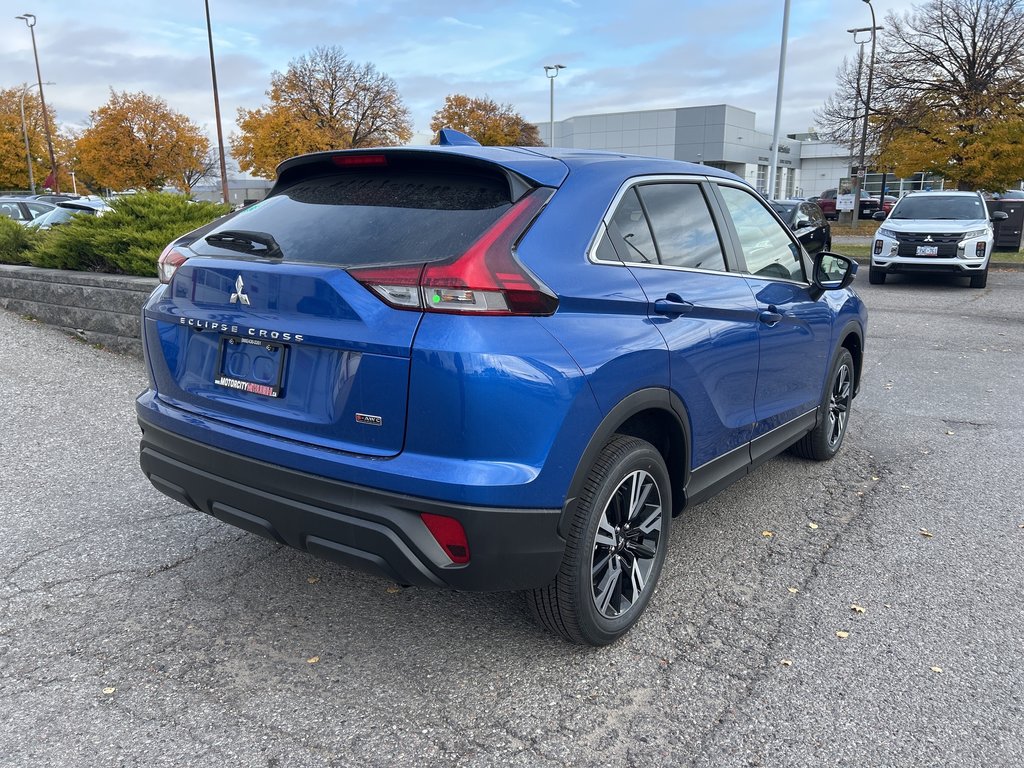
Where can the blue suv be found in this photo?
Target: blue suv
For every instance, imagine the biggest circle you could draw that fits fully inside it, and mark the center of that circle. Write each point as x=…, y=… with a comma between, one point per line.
x=488, y=368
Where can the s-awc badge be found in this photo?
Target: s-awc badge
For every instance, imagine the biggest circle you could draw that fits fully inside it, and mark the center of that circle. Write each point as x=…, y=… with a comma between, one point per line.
x=365, y=418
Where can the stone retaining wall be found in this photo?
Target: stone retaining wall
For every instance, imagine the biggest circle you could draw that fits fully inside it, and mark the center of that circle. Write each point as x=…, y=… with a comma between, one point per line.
x=97, y=308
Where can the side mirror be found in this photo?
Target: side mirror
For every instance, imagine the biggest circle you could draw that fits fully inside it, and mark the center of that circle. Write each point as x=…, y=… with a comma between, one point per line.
x=803, y=223
x=879, y=215
x=999, y=216
x=832, y=272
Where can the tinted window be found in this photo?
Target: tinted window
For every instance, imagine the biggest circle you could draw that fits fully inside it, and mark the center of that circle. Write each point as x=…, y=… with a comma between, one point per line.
x=628, y=229
x=683, y=227
x=939, y=207
x=11, y=211
x=767, y=249
x=360, y=218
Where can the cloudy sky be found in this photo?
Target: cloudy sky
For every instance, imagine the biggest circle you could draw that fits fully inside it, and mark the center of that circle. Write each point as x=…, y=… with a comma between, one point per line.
x=619, y=54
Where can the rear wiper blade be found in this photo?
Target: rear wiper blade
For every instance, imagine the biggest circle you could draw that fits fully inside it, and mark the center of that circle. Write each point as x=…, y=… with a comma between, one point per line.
x=256, y=243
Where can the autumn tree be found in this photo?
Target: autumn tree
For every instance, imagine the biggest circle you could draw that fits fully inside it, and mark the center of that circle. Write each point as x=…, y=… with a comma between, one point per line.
x=135, y=141
x=323, y=101
x=13, y=165
x=488, y=122
x=948, y=93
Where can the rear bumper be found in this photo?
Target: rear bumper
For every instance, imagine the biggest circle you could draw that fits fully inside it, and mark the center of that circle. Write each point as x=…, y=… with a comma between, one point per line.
x=374, y=531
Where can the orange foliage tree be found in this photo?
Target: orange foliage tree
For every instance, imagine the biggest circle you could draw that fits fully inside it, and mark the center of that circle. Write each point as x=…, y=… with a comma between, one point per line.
x=323, y=101
x=135, y=141
x=488, y=122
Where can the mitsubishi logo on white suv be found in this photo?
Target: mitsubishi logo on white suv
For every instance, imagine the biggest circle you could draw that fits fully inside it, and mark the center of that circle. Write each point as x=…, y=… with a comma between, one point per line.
x=928, y=239
x=239, y=294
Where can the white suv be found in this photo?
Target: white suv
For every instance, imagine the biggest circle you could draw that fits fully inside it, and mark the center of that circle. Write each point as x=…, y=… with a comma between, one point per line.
x=935, y=232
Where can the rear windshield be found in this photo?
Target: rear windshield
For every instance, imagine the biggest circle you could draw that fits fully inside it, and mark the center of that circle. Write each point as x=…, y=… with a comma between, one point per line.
x=373, y=217
x=940, y=207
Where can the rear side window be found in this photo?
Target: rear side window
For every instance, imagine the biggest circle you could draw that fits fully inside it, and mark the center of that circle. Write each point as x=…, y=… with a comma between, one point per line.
x=374, y=217
x=683, y=227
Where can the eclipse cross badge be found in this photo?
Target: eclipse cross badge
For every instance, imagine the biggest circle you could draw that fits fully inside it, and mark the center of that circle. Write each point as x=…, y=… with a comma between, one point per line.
x=239, y=294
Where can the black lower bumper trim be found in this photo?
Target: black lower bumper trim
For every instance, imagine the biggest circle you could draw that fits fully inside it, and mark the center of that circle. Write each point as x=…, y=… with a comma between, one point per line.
x=370, y=530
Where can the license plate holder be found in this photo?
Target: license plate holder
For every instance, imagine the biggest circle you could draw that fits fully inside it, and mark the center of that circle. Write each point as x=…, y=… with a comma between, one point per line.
x=255, y=366
x=927, y=250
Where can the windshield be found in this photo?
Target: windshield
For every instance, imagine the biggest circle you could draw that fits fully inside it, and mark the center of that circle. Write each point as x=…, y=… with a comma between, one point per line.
x=784, y=210
x=939, y=207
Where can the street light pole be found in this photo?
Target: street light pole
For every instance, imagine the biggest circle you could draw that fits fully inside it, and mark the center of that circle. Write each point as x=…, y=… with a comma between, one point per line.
x=867, y=115
x=216, y=112
x=30, y=22
x=25, y=88
x=551, y=71
x=772, y=169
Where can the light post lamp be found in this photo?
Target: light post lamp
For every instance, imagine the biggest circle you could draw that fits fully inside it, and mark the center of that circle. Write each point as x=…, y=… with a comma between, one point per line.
x=30, y=22
x=551, y=71
x=867, y=114
x=24, y=129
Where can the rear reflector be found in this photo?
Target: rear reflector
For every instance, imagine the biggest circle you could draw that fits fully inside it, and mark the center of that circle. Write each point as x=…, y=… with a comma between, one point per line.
x=450, y=534
x=485, y=280
x=359, y=161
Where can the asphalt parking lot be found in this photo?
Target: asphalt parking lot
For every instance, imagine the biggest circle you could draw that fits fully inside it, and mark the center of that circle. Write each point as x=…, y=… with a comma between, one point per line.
x=135, y=632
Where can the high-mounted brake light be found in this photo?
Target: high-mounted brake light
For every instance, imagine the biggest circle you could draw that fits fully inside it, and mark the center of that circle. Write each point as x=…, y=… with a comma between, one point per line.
x=485, y=280
x=168, y=263
x=359, y=160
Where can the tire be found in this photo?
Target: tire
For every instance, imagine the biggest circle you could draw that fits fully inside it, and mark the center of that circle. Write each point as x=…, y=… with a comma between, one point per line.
x=980, y=280
x=615, y=548
x=876, y=276
x=824, y=441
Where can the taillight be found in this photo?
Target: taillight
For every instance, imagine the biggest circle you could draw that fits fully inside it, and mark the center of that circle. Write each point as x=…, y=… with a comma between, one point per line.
x=485, y=280
x=449, y=533
x=168, y=263
x=350, y=161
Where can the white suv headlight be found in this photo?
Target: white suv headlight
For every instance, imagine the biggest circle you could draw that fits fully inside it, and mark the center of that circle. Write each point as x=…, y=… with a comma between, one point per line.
x=882, y=232
x=973, y=234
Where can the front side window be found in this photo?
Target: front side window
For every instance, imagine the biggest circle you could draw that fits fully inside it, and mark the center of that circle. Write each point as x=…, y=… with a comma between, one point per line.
x=683, y=226
x=767, y=248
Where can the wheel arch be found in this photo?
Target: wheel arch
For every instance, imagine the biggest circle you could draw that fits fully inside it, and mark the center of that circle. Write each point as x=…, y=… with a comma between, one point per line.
x=853, y=340
x=655, y=415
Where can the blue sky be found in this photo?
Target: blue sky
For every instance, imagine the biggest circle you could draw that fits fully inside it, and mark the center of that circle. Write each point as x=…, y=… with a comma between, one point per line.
x=620, y=55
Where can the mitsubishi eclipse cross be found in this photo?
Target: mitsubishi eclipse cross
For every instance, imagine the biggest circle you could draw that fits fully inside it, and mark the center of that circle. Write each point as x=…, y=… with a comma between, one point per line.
x=487, y=368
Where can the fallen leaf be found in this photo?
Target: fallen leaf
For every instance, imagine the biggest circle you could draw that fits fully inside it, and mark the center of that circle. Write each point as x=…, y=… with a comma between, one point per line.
x=950, y=432
x=786, y=662
x=767, y=534
x=109, y=691
x=813, y=526
x=1021, y=525
x=926, y=533
x=312, y=659
x=793, y=590
x=860, y=493
x=313, y=579
x=856, y=608
x=937, y=670
x=842, y=635
x=874, y=477
x=393, y=589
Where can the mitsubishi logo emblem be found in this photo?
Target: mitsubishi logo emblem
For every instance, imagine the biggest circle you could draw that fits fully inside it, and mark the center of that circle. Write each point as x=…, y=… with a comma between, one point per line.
x=928, y=239
x=239, y=294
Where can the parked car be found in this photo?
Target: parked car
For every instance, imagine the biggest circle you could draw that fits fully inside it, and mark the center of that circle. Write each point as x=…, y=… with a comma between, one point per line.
x=52, y=197
x=827, y=202
x=888, y=202
x=935, y=232
x=485, y=368
x=23, y=210
x=807, y=222
x=63, y=212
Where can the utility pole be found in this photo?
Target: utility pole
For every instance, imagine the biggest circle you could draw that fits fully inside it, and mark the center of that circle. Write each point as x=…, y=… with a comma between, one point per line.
x=30, y=22
x=216, y=112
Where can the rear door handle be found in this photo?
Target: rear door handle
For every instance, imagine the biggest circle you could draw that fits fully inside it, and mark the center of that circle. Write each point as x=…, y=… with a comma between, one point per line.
x=769, y=316
x=672, y=305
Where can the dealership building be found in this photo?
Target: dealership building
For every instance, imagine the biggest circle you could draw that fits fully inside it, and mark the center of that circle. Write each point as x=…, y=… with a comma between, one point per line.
x=719, y=135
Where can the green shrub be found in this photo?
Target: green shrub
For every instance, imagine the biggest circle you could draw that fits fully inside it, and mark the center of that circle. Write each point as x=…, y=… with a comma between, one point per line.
x=127, y=240
x=15, y=242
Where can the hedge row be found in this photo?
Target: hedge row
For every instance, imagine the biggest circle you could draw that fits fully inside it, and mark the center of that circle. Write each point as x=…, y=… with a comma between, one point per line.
x=125, y=241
